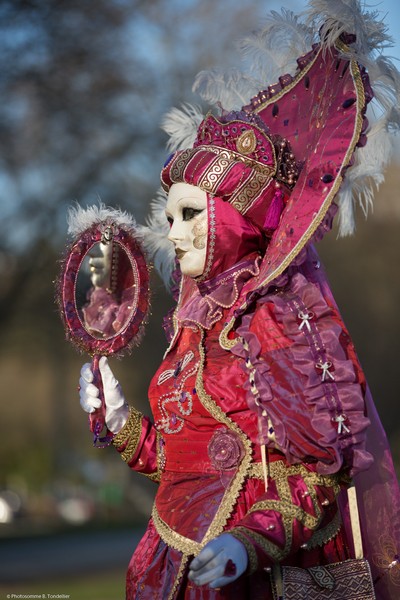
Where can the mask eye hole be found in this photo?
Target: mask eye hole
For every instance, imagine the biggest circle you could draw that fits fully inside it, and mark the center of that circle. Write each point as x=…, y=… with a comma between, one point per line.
x=188, y=213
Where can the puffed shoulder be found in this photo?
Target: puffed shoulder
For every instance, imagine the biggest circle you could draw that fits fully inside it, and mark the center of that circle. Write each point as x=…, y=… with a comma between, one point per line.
x=304, y=380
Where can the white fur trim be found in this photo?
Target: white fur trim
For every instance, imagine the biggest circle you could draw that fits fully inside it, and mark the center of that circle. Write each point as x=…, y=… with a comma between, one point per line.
x=79, y=219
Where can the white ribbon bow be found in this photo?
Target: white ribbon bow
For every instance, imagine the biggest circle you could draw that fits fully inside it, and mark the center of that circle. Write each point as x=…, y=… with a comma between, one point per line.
x=325, y=370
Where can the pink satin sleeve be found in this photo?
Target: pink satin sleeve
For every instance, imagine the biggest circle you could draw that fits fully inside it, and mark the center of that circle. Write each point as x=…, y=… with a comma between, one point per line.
x=140, y=445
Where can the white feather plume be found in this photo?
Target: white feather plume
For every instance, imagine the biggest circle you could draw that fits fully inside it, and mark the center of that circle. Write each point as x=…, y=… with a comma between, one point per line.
x=272, y=51
x=158, y=248
x=181, y=125
x=230, y=90
x=332, y=18
x=269, y=52
x=79, y=219
x=364, y=177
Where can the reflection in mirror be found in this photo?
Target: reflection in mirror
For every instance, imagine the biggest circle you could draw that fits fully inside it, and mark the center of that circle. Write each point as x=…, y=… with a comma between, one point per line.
x=106, y=290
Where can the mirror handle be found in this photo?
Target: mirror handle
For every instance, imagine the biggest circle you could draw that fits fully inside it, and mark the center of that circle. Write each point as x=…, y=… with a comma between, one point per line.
x=102, y=437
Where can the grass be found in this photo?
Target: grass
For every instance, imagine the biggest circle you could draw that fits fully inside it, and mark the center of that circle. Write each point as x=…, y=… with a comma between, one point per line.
x=101, y=586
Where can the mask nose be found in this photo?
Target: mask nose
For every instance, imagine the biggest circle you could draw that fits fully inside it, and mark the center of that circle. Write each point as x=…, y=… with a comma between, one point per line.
x=174, y=234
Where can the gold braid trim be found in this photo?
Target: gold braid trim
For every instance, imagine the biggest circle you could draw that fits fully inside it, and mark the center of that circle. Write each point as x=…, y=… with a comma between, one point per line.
x=322, y=536
x=172, y=538
x=268, y=547
x=156, y=476
x=279, y=470
x=225, y=342
x=282, y=266
x=129, y=434
x=230, y=497
x=289, y=510
x=238, y=533
x=178, y=577
x=152, y=476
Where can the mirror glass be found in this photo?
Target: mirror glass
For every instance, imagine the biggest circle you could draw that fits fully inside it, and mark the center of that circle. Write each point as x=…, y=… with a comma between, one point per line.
x=106, y=290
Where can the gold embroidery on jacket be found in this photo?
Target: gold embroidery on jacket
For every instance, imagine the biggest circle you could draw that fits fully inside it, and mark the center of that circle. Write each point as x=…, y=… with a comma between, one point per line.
x=216, y=527
x=229, y=499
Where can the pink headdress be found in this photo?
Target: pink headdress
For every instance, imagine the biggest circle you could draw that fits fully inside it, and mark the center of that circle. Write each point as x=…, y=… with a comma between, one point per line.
x=318, y=113
x=281, y=160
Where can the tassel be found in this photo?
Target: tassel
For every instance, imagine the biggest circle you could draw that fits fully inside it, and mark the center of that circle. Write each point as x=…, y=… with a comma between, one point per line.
x=275, y=210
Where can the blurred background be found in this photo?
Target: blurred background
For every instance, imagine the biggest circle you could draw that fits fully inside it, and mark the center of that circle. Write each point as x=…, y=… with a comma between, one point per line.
x=83, y=87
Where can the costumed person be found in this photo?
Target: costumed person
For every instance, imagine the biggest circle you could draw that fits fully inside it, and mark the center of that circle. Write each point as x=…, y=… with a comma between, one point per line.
x=262, y=415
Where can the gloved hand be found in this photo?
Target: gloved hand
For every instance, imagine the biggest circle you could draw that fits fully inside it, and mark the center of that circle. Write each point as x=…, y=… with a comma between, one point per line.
x=117, y=411
x=220, y=562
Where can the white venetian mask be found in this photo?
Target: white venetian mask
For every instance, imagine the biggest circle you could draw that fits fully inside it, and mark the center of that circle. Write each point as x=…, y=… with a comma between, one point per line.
x=186, y=212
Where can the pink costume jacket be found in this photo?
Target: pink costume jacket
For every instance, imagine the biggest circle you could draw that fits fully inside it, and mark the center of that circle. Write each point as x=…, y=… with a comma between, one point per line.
x=280, y=372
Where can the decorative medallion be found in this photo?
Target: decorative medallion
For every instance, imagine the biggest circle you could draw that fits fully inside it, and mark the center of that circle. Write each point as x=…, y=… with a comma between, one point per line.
x=247, y=142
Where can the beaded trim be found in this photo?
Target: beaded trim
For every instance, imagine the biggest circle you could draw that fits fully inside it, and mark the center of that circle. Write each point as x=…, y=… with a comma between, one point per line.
x=182, y=402
x=252, y=371
x=168, y=373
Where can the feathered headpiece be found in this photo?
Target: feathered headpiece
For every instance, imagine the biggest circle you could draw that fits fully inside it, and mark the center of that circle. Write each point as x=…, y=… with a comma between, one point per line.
x=318, y=105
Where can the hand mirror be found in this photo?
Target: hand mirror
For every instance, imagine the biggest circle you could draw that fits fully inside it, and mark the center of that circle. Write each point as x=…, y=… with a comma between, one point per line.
x=103, y=291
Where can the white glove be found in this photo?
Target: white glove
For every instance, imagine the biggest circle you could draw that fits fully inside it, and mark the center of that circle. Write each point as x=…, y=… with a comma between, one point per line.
x=220, y=562
x=117, y=411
